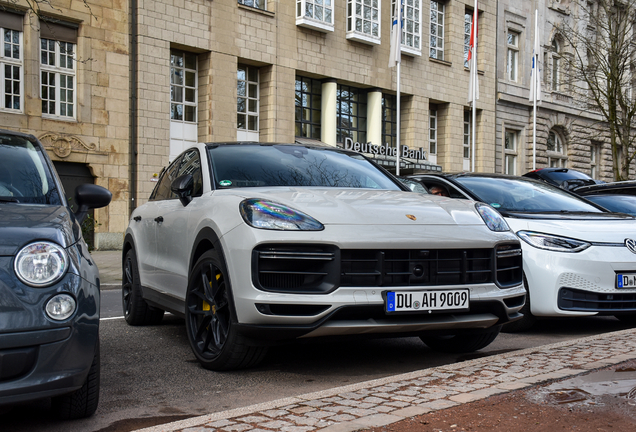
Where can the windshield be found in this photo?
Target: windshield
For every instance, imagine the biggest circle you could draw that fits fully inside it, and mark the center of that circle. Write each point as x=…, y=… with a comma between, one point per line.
x=524, y=195
x=256, y=165
x=24, y=174
x=616, y=203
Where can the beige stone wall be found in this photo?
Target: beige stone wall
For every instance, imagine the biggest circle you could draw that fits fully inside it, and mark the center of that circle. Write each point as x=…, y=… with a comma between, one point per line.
x=99, y=136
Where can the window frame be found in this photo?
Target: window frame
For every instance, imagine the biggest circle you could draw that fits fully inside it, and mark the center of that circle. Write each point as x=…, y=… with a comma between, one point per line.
x=558, y=156
x=555, y=66
x=433, y=130
x=357, y=133
x=352, y=17
x=510, y=154
x=248, y=98
x=184, y=87
x=468, y=24
x=256, y=4
x=412, y=31
x=436, y=52
x=314, y=125
x=58, y=71
x=7, y=61
x=389, y=120
x=512, y=56
x=305, y=7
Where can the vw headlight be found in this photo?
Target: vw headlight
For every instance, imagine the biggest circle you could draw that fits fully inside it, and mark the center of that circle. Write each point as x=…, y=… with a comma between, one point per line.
x=270, y=215
x=41, y=264
x=552, y=242
x=492, y=218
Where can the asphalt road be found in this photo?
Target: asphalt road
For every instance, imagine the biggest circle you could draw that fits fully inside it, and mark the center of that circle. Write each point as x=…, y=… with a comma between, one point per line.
x=150, y=376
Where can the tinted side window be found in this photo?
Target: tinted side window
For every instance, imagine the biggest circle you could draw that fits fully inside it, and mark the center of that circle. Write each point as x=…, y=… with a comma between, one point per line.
x=162, y=190
x=191, y=164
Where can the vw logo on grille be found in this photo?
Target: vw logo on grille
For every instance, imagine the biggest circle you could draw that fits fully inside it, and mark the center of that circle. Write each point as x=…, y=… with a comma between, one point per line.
x=631, y=245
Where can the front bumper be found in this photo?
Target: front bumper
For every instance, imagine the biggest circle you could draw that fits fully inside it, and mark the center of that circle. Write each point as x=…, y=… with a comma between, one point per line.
x=578, y=284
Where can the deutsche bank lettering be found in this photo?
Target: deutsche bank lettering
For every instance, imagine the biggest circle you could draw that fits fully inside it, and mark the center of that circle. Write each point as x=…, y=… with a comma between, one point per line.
x=419, y=154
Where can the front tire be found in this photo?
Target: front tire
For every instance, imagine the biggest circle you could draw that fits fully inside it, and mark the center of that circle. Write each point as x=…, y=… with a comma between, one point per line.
x=210, y=319
x=83, y=402
x=136, y=311
x=627, y=319
x=461, y=343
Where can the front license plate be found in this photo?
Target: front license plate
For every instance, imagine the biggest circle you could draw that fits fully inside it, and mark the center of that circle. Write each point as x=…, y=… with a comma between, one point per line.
x=433, y=300
x=627, y=280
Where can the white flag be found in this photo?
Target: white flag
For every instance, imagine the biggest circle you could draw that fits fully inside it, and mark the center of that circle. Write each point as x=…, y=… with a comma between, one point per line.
x=535, y=73
x=395, y=55
x=472, y=58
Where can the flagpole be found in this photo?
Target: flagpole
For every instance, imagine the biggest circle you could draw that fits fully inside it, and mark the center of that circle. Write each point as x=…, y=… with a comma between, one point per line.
x=474, y=86
x=535, y=75
x=397, y=119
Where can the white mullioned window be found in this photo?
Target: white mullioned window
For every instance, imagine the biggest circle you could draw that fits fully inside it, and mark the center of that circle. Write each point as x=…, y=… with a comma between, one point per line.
x=315, y=13
x=184, y=96
x=555, y=66
x=432, y=134
x=258, y=4
x=437, y=30
x=557, y=151
x=512, y=60
x=467, y=139
x=510, y=152
x=595, y=150
x=412, y=30
x=57, y=73
x=363, y=21
x=11, y=70
x=468, y=24
x=247, y=101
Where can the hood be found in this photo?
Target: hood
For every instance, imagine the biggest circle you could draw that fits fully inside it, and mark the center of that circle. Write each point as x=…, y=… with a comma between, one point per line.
x=21, y=224
x=334, y=206
x=609, y=230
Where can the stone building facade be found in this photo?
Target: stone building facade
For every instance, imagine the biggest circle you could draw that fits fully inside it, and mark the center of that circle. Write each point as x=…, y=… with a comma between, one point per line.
x=65, y=79
x=567, y=133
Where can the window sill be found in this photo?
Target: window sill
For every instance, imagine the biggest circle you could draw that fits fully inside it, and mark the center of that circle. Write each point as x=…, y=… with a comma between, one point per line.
x=64, y=119
x=411, y=52
x=442, y=62
x=257, y=10
x=309, y=23
x=365, y=39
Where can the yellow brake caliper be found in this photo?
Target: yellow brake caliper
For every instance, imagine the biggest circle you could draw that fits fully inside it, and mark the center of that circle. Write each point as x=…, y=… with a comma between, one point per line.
x=206, y=305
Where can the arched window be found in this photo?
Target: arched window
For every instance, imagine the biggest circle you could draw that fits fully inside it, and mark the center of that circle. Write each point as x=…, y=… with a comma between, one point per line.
x=557, y=151
x=555, y=66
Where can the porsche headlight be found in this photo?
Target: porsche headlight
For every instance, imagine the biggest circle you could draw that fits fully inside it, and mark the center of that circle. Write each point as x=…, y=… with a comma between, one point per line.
x=552, y=242
x=493, y=220
x=270, y=215
x=41, y=264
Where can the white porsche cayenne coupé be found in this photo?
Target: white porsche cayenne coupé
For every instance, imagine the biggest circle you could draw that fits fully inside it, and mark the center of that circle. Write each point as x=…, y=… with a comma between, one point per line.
x=255, y=244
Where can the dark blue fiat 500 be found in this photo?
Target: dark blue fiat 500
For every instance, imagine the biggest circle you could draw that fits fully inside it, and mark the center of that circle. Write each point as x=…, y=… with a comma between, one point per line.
x=49, y=285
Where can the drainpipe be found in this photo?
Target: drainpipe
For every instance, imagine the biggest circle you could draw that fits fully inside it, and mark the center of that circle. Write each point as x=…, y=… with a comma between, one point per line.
x=133, y=107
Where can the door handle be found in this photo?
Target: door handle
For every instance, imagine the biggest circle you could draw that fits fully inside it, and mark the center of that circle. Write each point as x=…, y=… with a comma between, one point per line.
x=137, y=218
x=159, y=219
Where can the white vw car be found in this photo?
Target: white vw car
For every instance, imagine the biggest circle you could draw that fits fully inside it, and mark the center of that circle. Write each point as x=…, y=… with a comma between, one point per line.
x=578, y=258
x=256, y=244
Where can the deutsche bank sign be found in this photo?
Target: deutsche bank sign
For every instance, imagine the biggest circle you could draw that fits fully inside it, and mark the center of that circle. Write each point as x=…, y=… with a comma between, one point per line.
x=385, y=150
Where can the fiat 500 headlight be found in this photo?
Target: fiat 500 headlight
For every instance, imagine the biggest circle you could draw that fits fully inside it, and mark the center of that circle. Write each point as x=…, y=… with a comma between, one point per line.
x=493, y=220
x=41, y=264
x=552, y=242
x=270, y=215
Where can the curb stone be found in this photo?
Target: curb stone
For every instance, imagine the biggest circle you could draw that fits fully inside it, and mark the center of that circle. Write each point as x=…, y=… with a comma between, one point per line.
x=383, y=401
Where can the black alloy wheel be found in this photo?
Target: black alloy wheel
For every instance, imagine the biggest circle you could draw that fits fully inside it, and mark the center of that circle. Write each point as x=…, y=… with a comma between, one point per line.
x=210, y=318
x=136, y=311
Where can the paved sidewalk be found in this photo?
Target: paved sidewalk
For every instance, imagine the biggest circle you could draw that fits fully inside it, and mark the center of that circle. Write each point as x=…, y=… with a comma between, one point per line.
x=388, y=400
x=109, y=264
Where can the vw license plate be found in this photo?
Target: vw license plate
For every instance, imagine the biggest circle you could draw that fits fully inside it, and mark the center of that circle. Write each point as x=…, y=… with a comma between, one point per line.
x=626, y=280
x=433, y=300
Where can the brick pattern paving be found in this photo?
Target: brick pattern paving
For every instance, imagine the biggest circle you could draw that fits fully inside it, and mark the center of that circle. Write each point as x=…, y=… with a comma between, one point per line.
x=388, y=400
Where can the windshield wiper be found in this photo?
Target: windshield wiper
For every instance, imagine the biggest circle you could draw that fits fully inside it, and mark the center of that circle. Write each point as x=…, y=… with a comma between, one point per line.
x=9, y=199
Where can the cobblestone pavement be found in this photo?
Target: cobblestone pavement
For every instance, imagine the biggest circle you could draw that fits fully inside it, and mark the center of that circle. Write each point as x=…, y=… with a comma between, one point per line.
x=388, y=400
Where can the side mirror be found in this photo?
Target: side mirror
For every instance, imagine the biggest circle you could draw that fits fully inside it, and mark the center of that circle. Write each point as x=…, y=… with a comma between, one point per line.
x=182, y=186
x=90, y=196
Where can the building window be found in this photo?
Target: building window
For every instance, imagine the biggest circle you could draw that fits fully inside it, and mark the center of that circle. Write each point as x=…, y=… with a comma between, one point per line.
x=510, y=152
x=247, y=98
x=258, y=4
x=468, y=24
x=467, y=139
x=183, y=101
x=363, y=20
x=595, y=152
x=557, y=152
x=555, y=66
x=316, y=14
x=432, y=130
x=58, y=78
x=389, y=120
x=412, y=30
x=437, y=30
x=351, y=112
x=513, y=55
x=308, y=107
x=11, y=59
x=183, y=86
